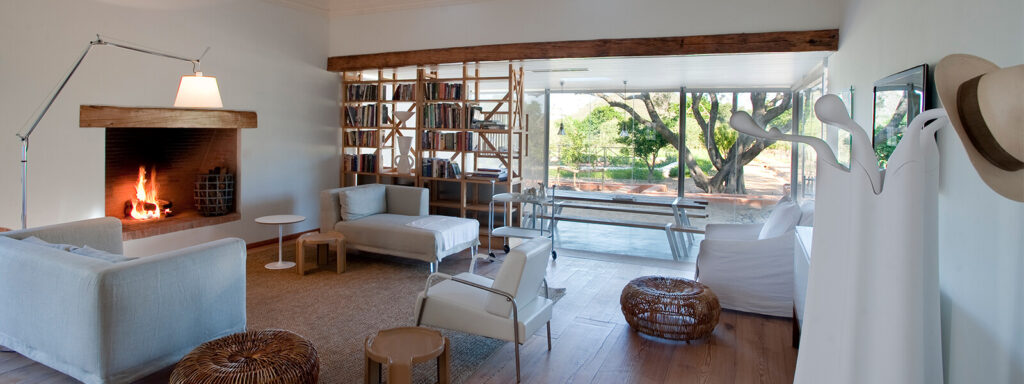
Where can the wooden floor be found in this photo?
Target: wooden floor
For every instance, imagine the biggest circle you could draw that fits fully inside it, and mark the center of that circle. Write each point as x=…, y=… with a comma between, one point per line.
x=591, y=341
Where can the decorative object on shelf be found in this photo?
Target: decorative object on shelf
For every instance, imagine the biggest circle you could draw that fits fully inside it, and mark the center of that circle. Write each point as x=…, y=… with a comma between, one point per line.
x=267, y=356
x=196, y=91
x=899, y=98
x=403, y=162
x=900, y=341
x=402, y=117
x=985, y=105
x=670, y=307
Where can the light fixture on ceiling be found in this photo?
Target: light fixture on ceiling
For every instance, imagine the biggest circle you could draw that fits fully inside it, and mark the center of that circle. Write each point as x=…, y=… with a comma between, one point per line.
x=561, y=123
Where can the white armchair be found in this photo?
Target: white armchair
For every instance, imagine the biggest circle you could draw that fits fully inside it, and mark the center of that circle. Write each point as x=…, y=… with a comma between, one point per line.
x=506, y=308
x=750, y=266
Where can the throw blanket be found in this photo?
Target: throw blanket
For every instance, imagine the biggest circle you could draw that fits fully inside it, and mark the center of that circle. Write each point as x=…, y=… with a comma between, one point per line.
x=453, y=230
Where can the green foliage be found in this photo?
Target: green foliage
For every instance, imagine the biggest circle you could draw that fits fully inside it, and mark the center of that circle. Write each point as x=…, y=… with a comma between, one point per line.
x=643, y=141
x=578, y=140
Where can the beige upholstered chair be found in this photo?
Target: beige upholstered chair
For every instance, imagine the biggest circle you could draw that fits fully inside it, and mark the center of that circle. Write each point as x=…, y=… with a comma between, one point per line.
x=506, y=308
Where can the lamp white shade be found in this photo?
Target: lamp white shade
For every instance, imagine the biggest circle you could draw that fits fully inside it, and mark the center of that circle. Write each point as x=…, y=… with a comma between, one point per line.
x=198, y=92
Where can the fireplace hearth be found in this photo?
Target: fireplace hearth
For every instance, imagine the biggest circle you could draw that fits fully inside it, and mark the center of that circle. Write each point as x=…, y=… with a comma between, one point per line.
x=162, y=177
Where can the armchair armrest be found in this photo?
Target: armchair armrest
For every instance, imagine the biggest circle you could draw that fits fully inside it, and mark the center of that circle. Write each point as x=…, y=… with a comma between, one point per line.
x=330, y=209
x=744, y=256
x=409, y=201
x=102, y=233
x=732, y=231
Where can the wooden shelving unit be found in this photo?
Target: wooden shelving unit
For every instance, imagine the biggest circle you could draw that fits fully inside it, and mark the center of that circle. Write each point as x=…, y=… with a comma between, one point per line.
x=497, y=128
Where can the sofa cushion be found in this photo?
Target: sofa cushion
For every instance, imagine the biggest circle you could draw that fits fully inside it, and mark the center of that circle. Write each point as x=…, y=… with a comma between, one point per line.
x=783, y=218
x=100, y=254
x=362, y=201
x=38, y=241
x=807, y=214
x=389, y=231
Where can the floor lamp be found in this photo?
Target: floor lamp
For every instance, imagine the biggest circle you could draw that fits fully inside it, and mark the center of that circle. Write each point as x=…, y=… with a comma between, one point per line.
x=196, y=91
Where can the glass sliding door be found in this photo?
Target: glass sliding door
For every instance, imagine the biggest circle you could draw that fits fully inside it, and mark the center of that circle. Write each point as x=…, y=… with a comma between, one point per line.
x=613, y=144
x=739, y=175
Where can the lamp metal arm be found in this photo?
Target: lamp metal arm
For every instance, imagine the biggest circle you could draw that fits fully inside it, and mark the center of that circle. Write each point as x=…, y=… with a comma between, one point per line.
x=49, y=102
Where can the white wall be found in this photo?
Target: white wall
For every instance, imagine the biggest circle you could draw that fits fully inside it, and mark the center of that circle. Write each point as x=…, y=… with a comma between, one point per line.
x=512, y=21
x=266, y=56
x=981, y=247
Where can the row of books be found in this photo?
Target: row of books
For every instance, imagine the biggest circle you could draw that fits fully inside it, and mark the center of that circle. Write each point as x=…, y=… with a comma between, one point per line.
x=361, y=138
x=361, y=92
x=448, y=141
x=441, y=168
x=363, y=116
x=404, y=92
x=443, y=115
x=500, y=174
x=442, y=91
x=361, y=163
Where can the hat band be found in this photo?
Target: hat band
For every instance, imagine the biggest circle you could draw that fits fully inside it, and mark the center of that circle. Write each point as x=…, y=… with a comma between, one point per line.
x=977, y=130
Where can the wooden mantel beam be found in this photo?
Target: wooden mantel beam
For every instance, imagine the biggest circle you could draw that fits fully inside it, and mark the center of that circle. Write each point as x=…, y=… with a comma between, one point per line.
x=105, y=116
x=794, y=41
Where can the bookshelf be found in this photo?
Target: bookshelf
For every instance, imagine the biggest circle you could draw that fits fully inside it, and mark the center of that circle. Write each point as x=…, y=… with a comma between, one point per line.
x=468, y=127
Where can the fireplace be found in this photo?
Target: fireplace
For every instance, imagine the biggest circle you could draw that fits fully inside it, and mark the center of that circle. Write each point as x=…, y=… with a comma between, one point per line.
x=162, y=177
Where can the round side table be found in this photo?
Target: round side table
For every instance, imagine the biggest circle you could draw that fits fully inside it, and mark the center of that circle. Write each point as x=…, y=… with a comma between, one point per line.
x=400, y=348
x=280, y=221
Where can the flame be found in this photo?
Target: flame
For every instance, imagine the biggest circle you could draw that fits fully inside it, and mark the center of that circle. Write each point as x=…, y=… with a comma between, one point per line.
x=146, y=195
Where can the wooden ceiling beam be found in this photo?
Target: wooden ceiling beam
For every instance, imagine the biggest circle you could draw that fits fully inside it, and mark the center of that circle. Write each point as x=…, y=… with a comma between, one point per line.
x=792, y=41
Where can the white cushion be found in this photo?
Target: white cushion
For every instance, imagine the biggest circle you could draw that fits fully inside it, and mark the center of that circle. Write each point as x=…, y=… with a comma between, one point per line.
x=784, y=217
x=362, y=201
x=38, y=241
x=100, y=254
x=807, y=214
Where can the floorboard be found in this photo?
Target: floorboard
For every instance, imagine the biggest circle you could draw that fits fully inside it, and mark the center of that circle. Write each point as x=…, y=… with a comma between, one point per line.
x=591, y=342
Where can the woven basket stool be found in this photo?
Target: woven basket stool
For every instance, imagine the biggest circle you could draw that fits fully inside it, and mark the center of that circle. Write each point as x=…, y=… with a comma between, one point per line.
x=267, y=356
x=669, y=307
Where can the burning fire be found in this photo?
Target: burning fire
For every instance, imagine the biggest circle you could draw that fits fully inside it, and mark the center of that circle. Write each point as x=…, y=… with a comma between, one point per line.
x=145, y=204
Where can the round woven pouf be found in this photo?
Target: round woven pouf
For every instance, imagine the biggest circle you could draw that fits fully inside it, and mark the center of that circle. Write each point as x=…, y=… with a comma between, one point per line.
x=670, y=307
x=267, y=356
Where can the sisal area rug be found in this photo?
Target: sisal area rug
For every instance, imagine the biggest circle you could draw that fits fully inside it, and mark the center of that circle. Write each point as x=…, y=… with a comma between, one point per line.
x=337, y=312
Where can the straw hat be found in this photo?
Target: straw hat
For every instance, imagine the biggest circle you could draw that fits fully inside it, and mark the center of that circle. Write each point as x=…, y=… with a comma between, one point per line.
x=985, y=103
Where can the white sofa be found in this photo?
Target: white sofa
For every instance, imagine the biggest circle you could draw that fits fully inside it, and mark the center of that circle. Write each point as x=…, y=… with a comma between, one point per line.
x=104, y=322
x=750, y=267
x=383, y=219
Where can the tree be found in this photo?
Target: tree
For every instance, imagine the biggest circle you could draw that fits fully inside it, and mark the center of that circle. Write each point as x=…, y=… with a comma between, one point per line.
x=727, y=150
x=645, y=143
x=576, y=144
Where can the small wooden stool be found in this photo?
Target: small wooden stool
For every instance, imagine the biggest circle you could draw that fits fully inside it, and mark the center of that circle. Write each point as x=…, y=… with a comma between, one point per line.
x=400, y=348
x=315, y=238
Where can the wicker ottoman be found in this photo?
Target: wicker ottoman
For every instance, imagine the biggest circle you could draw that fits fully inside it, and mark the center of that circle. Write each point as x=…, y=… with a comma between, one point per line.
x=267, y=356
x=670, y=307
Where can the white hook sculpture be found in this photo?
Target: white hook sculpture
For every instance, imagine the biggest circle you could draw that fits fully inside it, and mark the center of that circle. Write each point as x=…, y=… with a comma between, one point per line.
x=855, y=329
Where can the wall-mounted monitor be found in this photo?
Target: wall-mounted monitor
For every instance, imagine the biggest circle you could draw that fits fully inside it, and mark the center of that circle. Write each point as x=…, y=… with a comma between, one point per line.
x=899, y=98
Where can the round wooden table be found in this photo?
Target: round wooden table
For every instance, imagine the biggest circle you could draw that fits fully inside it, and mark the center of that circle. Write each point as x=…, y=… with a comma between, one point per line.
x=280, y=221
x=316, y=239
x=400, y=348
